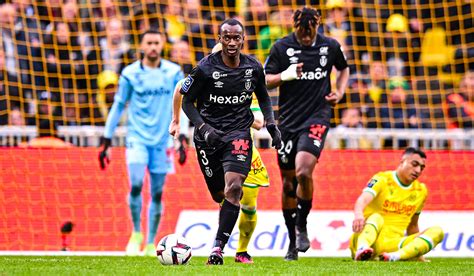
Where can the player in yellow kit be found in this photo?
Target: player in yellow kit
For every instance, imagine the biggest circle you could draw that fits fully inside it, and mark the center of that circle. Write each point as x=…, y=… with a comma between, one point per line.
x=388, y=208
x=256, y=178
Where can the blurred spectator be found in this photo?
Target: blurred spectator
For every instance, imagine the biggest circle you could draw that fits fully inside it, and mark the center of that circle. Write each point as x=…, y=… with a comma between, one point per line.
x=115, y=51
x=64, y=61
x=107, y=82
x=181, y=54
x=281, y=24
x=255, y=19
x=461, y=105
x=358, y=96
x=400, y=49
x=16, y=117
x=192, y=12
x=20, y=39
x=399, y=112
x=9, y=91
x=175, y=26
x=337, y=24
x=378, y=76
x=47, y=117
x=351, y=118
x=148, y=15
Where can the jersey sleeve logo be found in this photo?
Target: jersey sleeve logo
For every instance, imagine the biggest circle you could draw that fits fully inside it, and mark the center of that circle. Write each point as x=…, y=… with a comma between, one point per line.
x=372, y=183
x=187, y=84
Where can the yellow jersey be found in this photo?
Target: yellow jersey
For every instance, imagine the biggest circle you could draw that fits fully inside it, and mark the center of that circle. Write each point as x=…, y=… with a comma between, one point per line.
x=394, y=201
x=258, y=175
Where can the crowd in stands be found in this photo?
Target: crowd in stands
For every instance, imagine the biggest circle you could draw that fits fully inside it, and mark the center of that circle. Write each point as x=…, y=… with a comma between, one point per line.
x=412, y=62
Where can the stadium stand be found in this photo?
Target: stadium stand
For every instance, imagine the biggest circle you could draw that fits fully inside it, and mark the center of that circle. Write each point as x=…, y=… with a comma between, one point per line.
x=59, y=57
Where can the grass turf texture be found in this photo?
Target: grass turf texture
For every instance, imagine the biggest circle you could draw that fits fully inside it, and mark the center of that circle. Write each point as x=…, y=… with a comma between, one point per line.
x=74, y=265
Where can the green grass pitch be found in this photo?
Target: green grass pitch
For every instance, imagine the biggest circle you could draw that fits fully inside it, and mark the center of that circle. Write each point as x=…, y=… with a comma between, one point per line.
x=90, y=265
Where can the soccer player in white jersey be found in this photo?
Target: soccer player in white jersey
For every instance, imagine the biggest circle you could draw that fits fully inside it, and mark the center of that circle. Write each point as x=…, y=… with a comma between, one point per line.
x=147, y=87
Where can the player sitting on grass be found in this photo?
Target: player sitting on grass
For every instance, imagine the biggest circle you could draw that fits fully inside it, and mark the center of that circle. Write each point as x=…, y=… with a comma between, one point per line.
x=388, y=207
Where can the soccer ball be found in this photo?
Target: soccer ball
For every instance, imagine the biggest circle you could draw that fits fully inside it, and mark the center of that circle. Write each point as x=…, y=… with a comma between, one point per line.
x=173, y=250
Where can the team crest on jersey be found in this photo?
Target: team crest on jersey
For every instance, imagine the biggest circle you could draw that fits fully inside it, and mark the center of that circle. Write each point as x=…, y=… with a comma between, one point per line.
x=208, y=171
x=323, y=60
x=187, y=84
x=248, y=73
x=372, y=183
x=323, y=50
x=294, y=60
x=248, y=84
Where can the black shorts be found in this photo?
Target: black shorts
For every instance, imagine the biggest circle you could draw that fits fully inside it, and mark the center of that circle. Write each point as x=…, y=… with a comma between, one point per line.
x=234, y=156
x=310, y=140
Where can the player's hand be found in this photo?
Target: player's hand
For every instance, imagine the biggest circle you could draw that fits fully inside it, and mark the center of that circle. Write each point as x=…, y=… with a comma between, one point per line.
x=358, y=224
x=174, y=129
x=276, y=135
x=104, y=158
x=212, y=136
x=293, y=72
x=333, y=98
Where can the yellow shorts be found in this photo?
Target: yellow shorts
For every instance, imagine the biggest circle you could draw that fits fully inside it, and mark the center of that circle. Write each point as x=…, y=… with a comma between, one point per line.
x=385, y=242
x=258, y=175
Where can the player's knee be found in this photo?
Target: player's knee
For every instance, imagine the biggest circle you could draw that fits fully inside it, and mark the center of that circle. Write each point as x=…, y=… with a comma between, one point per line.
x=136, y=190
x=436, y=233
x=375, y=219
x=233, y=191
x=304, y=175
x=156, y=196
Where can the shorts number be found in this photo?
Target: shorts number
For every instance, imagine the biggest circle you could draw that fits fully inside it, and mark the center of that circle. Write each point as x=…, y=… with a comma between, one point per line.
x=286, y=149
x=204, y=159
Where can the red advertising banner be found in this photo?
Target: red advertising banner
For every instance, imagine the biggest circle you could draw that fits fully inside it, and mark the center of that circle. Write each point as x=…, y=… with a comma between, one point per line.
x=42, y=188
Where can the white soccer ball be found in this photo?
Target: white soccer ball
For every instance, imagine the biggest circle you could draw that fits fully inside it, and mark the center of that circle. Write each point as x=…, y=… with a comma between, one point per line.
x=173, y=250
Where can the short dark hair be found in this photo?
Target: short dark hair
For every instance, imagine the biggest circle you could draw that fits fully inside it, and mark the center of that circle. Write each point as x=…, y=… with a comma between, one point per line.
x=411, y=150
x=306, y=17
x=231, y=22
x=149, y=31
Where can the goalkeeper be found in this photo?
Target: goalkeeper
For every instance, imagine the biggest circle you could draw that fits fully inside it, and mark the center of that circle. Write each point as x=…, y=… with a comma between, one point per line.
x=147, y=86
x=256, y=178
x=388, y=207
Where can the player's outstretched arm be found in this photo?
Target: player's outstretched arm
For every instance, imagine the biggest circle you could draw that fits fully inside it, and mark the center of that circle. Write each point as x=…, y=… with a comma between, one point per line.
x=177, y=100
x=359, y=221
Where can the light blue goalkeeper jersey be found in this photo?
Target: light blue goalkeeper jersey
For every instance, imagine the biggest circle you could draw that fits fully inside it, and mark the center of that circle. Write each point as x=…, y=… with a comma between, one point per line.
x=149, y=94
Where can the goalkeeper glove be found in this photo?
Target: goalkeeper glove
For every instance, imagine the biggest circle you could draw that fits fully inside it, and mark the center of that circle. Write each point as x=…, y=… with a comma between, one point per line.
x=104, y=159
x=211, y=135
x=276, y=135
